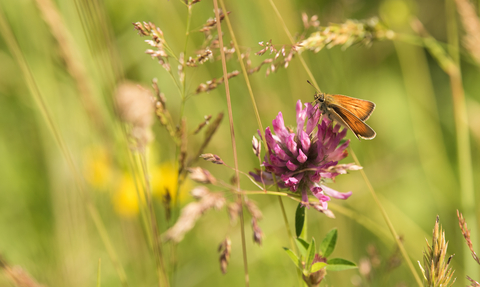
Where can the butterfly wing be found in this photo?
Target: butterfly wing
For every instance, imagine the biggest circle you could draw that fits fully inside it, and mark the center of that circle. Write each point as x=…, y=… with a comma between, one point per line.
x=362, y=109
x=356, y=125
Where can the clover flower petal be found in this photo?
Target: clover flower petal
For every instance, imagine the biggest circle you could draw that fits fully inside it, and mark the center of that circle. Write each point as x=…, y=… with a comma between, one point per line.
x=301, y=160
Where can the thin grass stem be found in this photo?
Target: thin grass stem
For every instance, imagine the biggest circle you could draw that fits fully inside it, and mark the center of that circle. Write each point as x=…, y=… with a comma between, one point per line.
x=14, y=48
x=465, y=169
x=257, y=116
x=162, y=275
x=392, y=230
x=285, y=28
x=173, y=249
x=423, y=109
x=387, y=220
x=232, y=134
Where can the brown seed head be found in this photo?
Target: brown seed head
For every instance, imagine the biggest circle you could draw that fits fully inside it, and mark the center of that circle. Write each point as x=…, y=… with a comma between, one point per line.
x=225, y=249
x=135, y=107
x=192, y=212
x=201, y=175
x=212, y=158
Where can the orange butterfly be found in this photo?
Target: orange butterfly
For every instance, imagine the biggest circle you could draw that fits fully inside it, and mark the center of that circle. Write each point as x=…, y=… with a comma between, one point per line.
x=348, y=111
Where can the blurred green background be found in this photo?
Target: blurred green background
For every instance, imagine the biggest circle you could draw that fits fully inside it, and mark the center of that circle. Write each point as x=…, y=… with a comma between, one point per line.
x=412, y=163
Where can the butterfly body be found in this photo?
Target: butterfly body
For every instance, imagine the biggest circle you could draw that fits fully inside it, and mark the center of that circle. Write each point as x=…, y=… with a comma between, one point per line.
x=348, y=111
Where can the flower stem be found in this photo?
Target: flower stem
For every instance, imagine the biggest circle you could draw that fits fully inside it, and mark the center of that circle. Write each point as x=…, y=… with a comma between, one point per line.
x=257, y=116
x=387, y=220
x=232, y=135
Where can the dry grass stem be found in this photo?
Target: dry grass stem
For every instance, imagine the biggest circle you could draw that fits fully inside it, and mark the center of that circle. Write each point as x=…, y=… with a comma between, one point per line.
x=193, y=211
x=471, y=25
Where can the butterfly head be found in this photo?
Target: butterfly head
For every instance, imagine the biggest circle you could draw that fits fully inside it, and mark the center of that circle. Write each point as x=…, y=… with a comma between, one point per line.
x=319, y=97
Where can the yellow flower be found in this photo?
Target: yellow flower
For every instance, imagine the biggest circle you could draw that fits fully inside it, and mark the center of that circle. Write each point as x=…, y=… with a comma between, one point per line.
x=125, y=199
x=164, y=178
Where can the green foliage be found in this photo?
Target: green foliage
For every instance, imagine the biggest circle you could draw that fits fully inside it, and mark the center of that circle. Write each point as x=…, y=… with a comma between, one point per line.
x=328, y=243
x=308, y=252
x=299, y=219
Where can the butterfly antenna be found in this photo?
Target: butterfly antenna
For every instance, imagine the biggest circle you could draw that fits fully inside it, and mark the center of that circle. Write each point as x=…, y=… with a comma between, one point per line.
x=313, y=86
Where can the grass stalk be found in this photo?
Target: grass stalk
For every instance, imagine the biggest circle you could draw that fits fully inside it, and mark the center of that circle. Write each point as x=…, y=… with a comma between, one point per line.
x=465, y=170
x=387, y=220
x=39, y=101
x=423, y=109
x=183, y=82
x=162, y=275
x=232, y=134
x=259, y=122
x=289, y=35
x=367, y=181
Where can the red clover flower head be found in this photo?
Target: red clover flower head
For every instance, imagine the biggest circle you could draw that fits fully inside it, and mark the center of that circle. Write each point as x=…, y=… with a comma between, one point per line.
x=302, y=160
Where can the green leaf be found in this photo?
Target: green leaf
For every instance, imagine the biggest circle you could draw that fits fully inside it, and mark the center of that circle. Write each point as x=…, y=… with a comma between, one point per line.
x=299, y=219
x=302, y=246
x=328, y=244
x=311, y=254
x=317, y=266
x=292, y=256
x=339, y=264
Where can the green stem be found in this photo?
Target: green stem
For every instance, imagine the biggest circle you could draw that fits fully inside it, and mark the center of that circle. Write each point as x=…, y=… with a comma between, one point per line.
x=14, y=48
x=259, y=122
x=232, y=136
x=285, y=28
x=184, y=85
x=162, y=275
x=387, y=220
x=467, y=191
